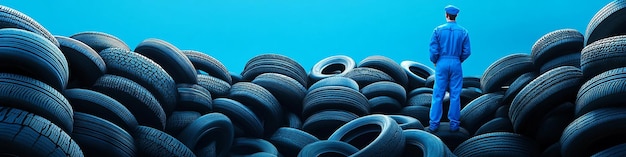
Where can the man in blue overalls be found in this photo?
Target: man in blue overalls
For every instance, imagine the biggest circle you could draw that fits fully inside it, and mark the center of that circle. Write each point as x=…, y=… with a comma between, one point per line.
x=449, y=47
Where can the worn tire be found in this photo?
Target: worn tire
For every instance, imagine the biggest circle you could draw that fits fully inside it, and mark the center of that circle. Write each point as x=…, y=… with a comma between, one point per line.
x=247, y=146
x=154, y=142
x=26, y=53
x=384, y=140
x=407, y=122
x=498, y=144
x=365, y=76
x=245, y=122
x=85, y=65
x=471, y=82
x=321, y=148
x=422, y=143
x=102, y=106
x=324, y=123
x=274, y=63
x=418, y=91
x=210, y=127
x=11, y=18
x=218, y=88
x=384, y=105
x=134, y=97
x=261, y=102
x=553, y=123
x=193, y=97
x=335, y=98
x=99, y=137
x=499, y=124
x=603, y=55
x=517, y=86
x=418, y=112
x=179, y=120
x=337, y=65
x=594, y=131
x=556, y=43
x=208, y=64
x=541, y=95
x=37, y=97
x=572, y=59
x=385, y=88
x=604, y=90
x=416, y=73
x=335, y=81
x=292, y=120
x=290, y=141
x=607, y=22
x=99, y=41
x=424, y=99
x=286, y=90
x=617, y=150
x=173, y=61
x=480, y=111
x=26, y=134
x=504, y=71
x=388, y=66
x=452, y=139
x=144, y=71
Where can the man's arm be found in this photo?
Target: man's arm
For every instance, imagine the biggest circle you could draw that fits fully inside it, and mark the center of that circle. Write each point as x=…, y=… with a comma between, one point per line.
x=466, y=52
x=434, y=47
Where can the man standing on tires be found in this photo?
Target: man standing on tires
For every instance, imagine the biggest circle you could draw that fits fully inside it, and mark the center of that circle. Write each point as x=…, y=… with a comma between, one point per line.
x=449, y=47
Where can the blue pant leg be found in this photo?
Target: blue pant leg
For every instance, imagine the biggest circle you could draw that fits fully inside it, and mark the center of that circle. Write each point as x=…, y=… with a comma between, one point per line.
x=441, y=84
x=456, y=86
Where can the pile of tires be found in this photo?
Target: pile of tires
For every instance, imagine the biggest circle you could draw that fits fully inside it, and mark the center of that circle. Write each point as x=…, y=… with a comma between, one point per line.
x=90, y=94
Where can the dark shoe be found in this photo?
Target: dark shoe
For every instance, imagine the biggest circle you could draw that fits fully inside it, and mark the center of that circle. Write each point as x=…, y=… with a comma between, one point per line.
x=433, y=128
x=454, y=127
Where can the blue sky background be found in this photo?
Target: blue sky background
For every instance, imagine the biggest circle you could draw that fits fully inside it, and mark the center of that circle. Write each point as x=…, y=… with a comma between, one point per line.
x=234, y=31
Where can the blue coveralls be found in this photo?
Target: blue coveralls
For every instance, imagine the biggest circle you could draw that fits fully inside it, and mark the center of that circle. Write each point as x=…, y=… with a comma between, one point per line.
x=449, y=47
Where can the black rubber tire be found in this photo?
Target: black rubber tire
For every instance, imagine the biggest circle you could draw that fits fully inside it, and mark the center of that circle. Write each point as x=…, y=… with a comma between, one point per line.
x=385, y=88
x=418, y=91
x=337, y=65
x=208, y=64
x=553, y=123
x=553, y=150
x=416, y=73
x=604, y=90
x=85, y=65
x=335, y=98
x=37, y=97
x=374, y=135
x=26, y=53
x=471, y=82
x=430, y=81
x=179, y=120
x=328, y=148
x=274, y=63
x=503, y=111
x=134, y=97
x=424, y=99
x=99, y=137
x=556, y=43
x=323, y=124
x=100, y=105
x=480, y=111
x=247, y=146
x=154, y=142
x=517, y=86
x=236, y=77
x=452, y=139
x=594, y=131
x=209, y=127
x=422, y=143
x=504, y=71
x=607, y=22
x=418, y=112
x=292, y=120
x=11, y=18
x=572, y=59
x=193, y=97
x=407, y=122
x=173, y=61
x=99, y=41
x=469, y=94
x=290, y=141
x=543, y=94
x=261, y=102
x=617, y=150
x=384, y=105
x=603, y=55
x=26, y=134
x=365, y=76
x=499, y=124
x=388, y=66
x=498, y=144
x=242, y=117
x=218, y=88
x=335, y=81
x=144, y=71
x=286, y=90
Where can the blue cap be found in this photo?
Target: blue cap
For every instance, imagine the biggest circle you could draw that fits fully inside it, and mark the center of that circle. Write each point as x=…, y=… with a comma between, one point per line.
x=452, y=10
